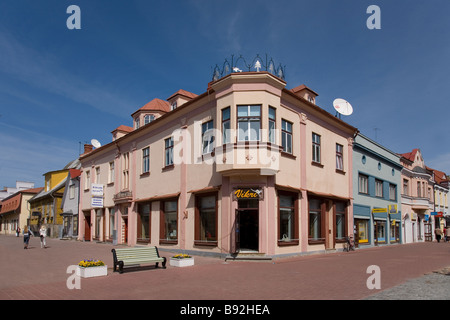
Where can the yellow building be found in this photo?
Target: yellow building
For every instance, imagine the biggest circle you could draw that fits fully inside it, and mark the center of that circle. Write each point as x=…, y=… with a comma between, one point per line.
x=46, y=206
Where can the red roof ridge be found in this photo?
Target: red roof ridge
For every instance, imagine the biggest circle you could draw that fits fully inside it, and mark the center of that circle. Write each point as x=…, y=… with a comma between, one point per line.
x=123, y=128
x=185, y=93
x=301, y=87
x=410, y=155
x=156, y=105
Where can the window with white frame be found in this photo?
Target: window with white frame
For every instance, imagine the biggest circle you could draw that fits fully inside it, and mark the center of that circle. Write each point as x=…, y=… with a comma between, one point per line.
x=126, y=170
x=146, y=160
x=272, y=125
x=392, y=192
x=315, y=147
x=226, y=125
x=249, y=122
x=339, y=157
x=148, y=118
x=168, y=151
x=208, y=137
x=363, y=184
x=378, y=188
x=286, y=136
x=97, y=175
x=406, y=187
x=111, y=172
x=87, y=180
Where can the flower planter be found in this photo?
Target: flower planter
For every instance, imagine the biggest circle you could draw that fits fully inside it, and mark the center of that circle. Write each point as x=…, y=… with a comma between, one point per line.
x=186, y=262
x=90, y=272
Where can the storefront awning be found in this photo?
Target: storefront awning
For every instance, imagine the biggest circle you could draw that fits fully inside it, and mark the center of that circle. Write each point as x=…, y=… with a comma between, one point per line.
x=329, y=196
x=157, y=198
x=205, y=190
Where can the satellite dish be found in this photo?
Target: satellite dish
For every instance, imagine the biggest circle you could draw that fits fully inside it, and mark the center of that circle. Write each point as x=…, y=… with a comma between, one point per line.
x=96, y=143
x=342, y=107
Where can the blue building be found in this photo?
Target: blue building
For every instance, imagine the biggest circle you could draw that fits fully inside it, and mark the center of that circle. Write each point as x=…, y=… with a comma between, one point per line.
x=376, y=193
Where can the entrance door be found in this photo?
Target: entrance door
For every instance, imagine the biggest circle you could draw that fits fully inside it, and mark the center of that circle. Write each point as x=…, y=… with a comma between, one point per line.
x=247, y=234
x=248, y=237
x=87, y=227
x=428, y=232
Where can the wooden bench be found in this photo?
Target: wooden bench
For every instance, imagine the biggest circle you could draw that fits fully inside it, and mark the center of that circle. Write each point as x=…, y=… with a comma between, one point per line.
x=136, y=256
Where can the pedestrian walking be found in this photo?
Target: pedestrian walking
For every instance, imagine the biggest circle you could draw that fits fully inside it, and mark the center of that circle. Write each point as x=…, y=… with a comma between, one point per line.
x=42, y=235
x=447, y=234
x=26, y=236
x=438, y=233
x=18, y=231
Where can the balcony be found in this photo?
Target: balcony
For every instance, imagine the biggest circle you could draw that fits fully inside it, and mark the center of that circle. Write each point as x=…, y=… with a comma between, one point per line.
x=248, y=158
x=123, y=196
x=417, y=203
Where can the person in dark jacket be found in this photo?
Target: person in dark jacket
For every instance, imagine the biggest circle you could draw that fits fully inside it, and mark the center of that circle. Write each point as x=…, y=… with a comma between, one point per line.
x=26, y=236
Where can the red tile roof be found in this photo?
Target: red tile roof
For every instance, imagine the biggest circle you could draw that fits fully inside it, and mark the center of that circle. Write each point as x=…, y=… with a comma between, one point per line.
x=185, y=93
x=123, y=128
x=13, y=203
x=34, y=190
x=302, y=87
x=411, y=156
x=439, y=176
x=156, y=105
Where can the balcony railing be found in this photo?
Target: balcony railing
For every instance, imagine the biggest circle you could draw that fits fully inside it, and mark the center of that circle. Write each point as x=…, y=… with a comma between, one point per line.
x=123, y=196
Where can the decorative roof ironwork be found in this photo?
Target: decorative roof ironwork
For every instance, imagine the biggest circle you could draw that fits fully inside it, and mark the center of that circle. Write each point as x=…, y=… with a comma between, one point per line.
x=240, y=64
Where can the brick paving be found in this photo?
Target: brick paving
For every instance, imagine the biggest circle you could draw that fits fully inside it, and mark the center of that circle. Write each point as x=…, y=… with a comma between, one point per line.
x=40, y=274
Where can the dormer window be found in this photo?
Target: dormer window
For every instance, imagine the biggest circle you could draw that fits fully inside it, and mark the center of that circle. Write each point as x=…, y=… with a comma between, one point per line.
x=173, y=106
x=149, y=118
x=137, y=123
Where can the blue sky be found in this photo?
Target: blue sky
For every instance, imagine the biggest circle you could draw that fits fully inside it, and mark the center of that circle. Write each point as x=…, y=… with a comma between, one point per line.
x=60, y=87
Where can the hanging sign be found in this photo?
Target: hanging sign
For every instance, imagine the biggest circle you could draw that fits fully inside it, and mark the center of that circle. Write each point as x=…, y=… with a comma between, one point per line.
x=96, y=190
x=96, y=195
x=248, y=193
x=392, y=208
x=97, y=202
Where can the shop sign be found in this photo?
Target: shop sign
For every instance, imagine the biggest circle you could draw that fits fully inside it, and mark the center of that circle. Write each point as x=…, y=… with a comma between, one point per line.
x=392, y=208
x=97, y=190
x=379, y=210
x=440, y=214
x=248, y=193
x=97, y=202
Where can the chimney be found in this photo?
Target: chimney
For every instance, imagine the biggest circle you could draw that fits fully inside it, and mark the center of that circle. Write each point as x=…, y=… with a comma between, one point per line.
x=88, y=148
